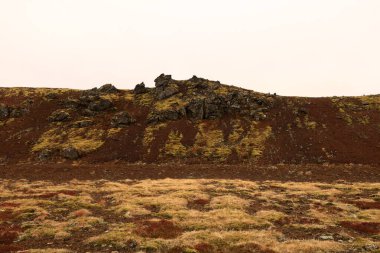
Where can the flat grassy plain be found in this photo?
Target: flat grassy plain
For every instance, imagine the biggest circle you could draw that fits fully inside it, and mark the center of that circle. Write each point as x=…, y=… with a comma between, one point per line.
x=188, y=215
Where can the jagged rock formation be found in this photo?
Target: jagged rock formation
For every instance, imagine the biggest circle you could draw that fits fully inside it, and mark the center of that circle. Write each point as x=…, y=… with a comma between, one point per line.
x=194, y=120
x=199, y=98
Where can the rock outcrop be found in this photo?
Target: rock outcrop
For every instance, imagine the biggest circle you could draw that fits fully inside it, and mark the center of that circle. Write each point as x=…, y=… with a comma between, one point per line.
x=108, y=88
x=140, y=89
x=165, y=87
x=59, y=116
x=70, y=153
x=4, y=111
x=122, y=119
x=100, y=105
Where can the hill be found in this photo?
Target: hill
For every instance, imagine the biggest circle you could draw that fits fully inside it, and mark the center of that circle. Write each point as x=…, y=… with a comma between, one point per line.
x=192, y=121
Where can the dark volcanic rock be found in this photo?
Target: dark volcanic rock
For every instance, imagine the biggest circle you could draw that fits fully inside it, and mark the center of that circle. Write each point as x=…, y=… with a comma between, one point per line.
x=45, y=154
x=161, y=116
x=122, y=119
x=108, y=88
x=140, y=88
x=302, y=111
x=100, y=105
x=51, y=95
x=86, y=99
x=4, y=111
x=195, y=79
x=165, y=86
x=195, y=109
x=91, y=92
x=18, y=112
x=70, y=153
x=258, y=114
x=214, y=107
x=88, y=113
x=167, y=91
x=83, y=123
x=8, y=112
x=162, y=80
x=199, y=83
x=71, y=103
x=59, y=115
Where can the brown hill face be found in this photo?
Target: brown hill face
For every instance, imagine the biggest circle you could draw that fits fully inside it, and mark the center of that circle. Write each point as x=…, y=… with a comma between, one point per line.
x=192, y=121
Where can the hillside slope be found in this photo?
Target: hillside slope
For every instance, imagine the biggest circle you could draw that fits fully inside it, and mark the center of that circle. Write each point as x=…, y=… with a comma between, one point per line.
x=192, y=121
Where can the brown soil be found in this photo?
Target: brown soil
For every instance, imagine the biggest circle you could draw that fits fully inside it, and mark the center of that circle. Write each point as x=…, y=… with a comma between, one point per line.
x=250, y=248
x=110, y=171
x=8, y=231
x=204, y=248
x=198, y=204
x=367, y=204
x=157, y=229
x=362, y=227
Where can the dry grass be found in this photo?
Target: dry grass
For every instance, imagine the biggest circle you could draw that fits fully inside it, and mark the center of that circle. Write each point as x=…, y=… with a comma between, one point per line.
x=31, y=92
x=172, y=102
x=224, y=215
x=84, y=140
x=373, y=101
x=252, y=144
x=150, y=132
x=49, y=250
x=145, y=99
x=173, y=146
x=210, y=143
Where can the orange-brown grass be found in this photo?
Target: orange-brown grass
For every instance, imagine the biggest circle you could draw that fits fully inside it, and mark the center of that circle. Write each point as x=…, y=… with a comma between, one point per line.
x=190, y=215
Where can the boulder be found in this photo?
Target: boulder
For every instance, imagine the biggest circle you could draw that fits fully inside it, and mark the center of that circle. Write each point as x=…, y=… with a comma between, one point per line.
x=140, y=88
x=195, y=109
x=258, y=114
x=162, y=80
x=302, y=111
x=70, y=153
x=27, y=102
x=91, y=92
x=161, y=116
x=108, y=88
x=100, y=105
x=86, y=99
x=51, y=95
x=45, y=154
x=122, y=119
x=18, y=112
x=166, y=91
x=165, y=87
x=4, y=111
x=199, y=83
x=71, y=103
x=88, y=113
x=214, y=107
x=202, y=85
x=195, y=79
x=59, y=116
x=83, y=123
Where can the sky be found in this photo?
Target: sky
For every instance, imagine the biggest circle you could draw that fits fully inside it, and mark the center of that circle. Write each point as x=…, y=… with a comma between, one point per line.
x=291, y=47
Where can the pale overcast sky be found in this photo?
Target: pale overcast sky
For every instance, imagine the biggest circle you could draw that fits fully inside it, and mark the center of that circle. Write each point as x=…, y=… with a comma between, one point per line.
x=292, y=47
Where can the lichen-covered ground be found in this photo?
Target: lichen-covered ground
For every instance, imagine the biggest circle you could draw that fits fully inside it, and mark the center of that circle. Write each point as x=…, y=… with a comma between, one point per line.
x=188, y=215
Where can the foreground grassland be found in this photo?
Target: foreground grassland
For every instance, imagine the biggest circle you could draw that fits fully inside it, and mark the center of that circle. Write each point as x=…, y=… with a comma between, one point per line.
x=189, y=215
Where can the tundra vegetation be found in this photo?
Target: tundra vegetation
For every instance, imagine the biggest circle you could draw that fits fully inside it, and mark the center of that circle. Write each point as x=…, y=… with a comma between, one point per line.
x=189, y=215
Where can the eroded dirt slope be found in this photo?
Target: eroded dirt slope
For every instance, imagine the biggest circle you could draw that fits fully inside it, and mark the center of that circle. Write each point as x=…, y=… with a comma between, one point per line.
x=194, y=121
